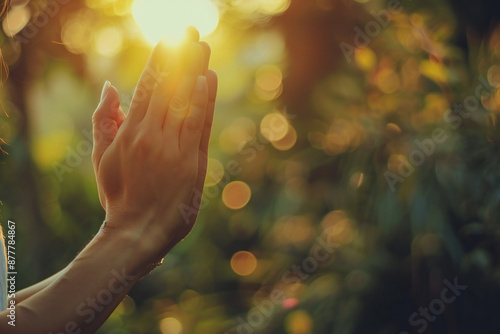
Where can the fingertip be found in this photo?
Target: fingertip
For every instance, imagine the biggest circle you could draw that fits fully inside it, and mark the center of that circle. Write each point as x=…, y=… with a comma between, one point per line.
x=113, y=98
x=201, y=85
x=212, y=81
x=159, y=52
x=211, y=75
x=109, y=97
x=192, y=34
x=105, y=90
x=206, y=48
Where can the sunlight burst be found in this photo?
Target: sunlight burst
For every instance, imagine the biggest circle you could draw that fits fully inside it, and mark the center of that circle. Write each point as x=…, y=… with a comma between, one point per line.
x=169, y=19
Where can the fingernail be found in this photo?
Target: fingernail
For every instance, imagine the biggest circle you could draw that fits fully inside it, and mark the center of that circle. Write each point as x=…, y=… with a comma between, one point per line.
x=200, y=83
x=107, y=84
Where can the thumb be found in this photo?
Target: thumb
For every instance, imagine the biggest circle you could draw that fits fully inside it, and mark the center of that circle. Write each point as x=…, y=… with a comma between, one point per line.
x=106, y=120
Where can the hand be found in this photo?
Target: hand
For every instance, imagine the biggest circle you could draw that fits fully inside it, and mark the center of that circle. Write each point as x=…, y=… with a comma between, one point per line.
x=149, y=163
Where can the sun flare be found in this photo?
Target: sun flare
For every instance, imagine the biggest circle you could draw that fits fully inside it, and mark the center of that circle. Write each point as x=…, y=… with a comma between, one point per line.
x=168, y=19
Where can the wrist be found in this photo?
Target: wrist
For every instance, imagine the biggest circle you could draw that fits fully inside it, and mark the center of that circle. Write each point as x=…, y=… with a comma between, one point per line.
x=139, y=236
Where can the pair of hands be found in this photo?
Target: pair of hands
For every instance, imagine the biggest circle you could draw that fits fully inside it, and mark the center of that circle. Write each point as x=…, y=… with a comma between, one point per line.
x=150, y=163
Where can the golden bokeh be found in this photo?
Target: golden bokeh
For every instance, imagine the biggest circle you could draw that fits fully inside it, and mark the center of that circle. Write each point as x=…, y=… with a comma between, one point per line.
x=78, y=31
x=215, y=172
x=236, y=195
x=274, y=126
x=388, y=80
x=288, y=141
x=243, y=263
x=434, y=70
x=296, y=229
x=395, y=162
x=170, y=325
x=365, y=58
x=341, y=232
x=15, y=20
x=109, y=41
x=334, y=144
x=268, y=77
x=332, y=218
x=299, y=322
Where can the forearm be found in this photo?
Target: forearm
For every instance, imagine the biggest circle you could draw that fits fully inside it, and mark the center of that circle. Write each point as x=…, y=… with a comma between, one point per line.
x=35, y=288
x=86, y=292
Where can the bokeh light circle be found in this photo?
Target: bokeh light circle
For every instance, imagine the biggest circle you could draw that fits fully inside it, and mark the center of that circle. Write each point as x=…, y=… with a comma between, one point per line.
x=274, y=126
x=170, y=326
x=236, y=195
x=243, y=263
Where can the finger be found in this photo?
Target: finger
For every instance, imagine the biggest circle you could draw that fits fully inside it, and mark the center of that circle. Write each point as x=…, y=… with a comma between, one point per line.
x=179, y=103
x=151, y=75
x=212, y=95
x=205, y=137
x=106, y=121
x=206, y=52
x=207, y=129
x=192, y=126
x=192, y=34
x=163, y=91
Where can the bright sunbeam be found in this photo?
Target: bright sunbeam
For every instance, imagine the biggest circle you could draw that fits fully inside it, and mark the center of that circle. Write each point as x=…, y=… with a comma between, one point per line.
x=169, y=18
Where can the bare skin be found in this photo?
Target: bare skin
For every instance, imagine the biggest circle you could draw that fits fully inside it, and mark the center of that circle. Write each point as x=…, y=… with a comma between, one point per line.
x=148, y=165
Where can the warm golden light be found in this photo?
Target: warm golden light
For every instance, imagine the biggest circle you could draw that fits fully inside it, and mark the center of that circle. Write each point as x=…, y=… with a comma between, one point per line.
x=169, y=19
x=215, y=172
x=299, y=322
x=243, y=263
x=16, y=20
x=109, y=41
x=288, y=141
x=274, y=126
x=366, y=59
x=236, y=195
x=170, y=326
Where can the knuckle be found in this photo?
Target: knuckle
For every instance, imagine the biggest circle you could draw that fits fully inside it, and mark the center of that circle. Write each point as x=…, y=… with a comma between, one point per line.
x=142, y=141
x=126, y=137
x=160, y=90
